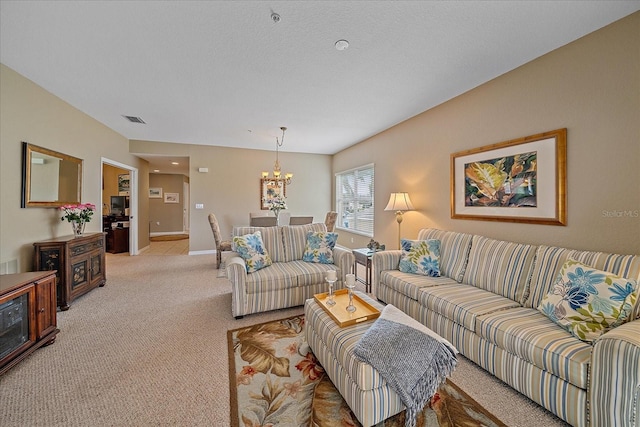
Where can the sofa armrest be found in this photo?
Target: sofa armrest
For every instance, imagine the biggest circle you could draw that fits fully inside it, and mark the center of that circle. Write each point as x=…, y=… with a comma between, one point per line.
x=237, y=275
x=343, y=259
x=615, y=378
x=381, y=261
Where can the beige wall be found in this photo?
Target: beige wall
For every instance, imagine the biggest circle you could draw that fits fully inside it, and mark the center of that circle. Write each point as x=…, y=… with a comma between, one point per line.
x=231, y=188
x=29, y=113
x=591, y=87
x=166, y=217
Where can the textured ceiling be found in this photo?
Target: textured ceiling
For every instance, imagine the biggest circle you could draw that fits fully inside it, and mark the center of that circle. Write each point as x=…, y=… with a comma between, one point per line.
x=223, y=73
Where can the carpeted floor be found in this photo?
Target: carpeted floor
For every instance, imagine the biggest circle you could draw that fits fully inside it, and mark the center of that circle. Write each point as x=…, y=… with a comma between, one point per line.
x=149, y=349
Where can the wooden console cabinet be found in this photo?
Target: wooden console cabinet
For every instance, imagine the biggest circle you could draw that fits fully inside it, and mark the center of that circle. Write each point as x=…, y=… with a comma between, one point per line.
x=27, y=315
x=79, y=261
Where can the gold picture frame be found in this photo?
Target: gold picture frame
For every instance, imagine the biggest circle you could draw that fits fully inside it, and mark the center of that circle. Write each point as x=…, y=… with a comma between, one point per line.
x=269, y=188
x=521, y=180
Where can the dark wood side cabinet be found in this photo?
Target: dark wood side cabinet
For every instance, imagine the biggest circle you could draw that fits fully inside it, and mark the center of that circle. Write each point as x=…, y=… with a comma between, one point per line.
x=79, y=261
x=27, y=315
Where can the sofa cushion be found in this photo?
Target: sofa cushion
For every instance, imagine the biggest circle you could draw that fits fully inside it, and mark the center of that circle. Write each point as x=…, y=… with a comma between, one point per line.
x=251, y=249
x=294, y=238
x=319, y=247
x=271, y=237
x=588, y=302
x=462, y=303
x=279, y=275
x=410, y=284
x=549, y=260
x=310, y=274
x=500, y=267
x=533, y=337
x=454, y=251
x=420, y=257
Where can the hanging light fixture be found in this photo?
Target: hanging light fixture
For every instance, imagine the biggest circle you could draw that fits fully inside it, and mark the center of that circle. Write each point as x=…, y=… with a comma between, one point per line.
x=277, y=178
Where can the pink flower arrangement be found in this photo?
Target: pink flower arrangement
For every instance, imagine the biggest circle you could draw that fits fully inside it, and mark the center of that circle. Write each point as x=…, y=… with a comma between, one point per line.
x=78, y=213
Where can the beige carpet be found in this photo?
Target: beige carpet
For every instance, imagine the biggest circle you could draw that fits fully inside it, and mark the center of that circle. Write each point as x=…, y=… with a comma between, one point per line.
x=149, y=349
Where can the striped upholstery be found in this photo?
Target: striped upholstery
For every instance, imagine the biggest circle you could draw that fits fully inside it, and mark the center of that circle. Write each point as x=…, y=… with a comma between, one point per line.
x=454, y=251
x=463, y=303
x=615, y=378
x=499, y=266
x=282, y=284
x=484, y=319
x=531, y=336
x=294, y=238
x=549, y=260
x=410, y=284
x=558, y=396
x=362, y=387
x=383, y=261
x=271, y=237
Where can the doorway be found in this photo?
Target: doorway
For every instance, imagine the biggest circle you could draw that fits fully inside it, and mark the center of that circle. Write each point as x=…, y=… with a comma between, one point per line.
x=129, y=191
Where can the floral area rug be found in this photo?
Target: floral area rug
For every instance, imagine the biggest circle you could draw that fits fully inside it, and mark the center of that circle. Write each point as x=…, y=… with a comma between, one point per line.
x=275, y=380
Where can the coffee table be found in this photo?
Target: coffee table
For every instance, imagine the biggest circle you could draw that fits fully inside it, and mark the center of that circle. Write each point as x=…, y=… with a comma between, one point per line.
x=361, y=386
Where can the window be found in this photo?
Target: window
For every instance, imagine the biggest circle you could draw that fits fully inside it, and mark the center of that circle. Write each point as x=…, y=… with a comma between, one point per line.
x=354, y=200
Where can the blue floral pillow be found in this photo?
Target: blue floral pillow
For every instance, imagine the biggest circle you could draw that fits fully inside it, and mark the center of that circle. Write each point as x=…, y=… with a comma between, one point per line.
x=589, y=302
x=420, y=257
x=319, y=247
x=251, y=248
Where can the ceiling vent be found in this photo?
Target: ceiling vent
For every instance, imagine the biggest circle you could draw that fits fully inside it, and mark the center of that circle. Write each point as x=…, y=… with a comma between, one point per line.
x=134, y=119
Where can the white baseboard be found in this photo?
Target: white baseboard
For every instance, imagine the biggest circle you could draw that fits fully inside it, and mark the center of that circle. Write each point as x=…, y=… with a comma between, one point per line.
x=165, y=233
x=207, y=252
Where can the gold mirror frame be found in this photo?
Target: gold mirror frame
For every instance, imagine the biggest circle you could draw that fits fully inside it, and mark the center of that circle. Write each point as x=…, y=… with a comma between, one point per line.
x=39, y=189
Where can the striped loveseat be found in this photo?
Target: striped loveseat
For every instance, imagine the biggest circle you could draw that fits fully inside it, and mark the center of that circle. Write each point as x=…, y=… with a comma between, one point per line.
x=289, y=280
x=485, y=303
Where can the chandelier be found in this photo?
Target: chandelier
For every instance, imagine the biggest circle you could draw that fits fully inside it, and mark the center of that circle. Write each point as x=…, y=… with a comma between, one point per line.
x=277, y=178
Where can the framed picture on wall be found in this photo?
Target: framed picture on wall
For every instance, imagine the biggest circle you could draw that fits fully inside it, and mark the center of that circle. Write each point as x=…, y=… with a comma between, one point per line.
x=155, y=193
x=522, y=180
x=269, y=188
x=172, y=197
x=124, y=188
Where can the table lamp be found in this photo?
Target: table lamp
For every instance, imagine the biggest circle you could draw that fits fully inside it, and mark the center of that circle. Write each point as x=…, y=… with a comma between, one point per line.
x=399, y=202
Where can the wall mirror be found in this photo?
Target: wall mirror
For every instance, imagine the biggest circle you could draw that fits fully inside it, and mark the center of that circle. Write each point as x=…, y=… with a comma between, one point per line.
x=49, y=178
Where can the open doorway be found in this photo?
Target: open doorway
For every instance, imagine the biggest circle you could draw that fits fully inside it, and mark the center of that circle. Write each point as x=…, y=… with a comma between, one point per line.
x=120, y=206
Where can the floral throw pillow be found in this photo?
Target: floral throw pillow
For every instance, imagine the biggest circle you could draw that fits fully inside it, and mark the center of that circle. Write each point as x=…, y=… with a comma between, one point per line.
x=251, y=248
x=420, y=257
x=588, y=302
x=319, y=247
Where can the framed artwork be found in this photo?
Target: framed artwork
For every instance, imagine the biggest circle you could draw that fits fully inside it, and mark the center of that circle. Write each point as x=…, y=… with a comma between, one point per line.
x=270, y=188
x=155, y=193
x=124, y=188
x=172, y=197
x=522, y=180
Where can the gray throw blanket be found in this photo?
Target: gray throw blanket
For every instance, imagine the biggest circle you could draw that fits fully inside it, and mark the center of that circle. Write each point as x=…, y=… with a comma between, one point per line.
x=411, y=358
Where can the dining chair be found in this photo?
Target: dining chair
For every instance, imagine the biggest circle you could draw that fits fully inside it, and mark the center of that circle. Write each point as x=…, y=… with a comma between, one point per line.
x=300, y=220
x=330, y=220
x=221, y=245
x=263, y=221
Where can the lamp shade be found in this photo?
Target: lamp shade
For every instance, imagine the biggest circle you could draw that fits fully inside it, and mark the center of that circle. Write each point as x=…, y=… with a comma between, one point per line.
x=399, y=202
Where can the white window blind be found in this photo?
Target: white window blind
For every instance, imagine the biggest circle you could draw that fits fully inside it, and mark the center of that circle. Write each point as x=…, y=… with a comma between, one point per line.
x=354, y=200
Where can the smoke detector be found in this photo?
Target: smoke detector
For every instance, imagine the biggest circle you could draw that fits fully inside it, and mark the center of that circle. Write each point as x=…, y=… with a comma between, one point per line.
x=342, y=45
x=275, y=17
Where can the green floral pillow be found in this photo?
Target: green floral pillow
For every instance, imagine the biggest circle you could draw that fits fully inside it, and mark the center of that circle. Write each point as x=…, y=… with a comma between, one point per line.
x=588, y=302
x=251, y=248
x=319, y=247
x=420, y=257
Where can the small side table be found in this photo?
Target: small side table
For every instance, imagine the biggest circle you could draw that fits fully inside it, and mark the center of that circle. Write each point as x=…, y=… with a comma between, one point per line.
x=363, y=257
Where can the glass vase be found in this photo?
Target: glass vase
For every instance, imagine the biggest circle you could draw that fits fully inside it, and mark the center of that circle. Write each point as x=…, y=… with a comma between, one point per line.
x=78, y=228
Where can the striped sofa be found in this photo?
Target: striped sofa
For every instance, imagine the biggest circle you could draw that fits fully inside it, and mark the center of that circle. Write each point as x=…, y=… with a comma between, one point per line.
x=485, y=303
x=289, y=281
